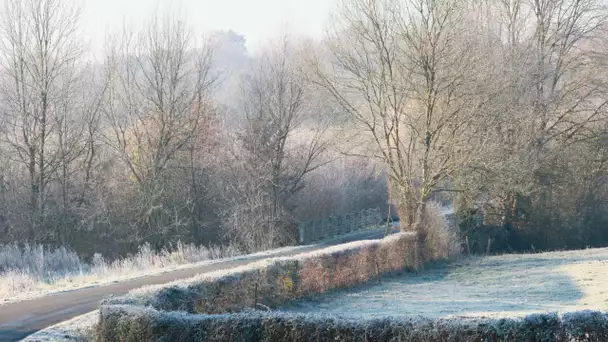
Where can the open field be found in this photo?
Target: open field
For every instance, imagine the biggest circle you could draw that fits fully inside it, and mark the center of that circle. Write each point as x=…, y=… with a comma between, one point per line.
x=497, y=286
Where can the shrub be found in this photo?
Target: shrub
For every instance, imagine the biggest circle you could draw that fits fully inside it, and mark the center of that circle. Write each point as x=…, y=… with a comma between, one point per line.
x=128, y=323
x=443, y=240
x=36, y=260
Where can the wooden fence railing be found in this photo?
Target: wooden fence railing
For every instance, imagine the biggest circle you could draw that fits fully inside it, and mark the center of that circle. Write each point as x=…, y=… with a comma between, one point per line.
x=333, y=226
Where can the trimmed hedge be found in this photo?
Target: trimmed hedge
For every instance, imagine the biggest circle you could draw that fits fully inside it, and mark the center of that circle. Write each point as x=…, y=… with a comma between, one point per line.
x=273, y=282
x=226, y=299
x=129, y=323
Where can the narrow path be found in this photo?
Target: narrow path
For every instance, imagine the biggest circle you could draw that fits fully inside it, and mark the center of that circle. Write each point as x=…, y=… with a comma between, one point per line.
x=18, y=320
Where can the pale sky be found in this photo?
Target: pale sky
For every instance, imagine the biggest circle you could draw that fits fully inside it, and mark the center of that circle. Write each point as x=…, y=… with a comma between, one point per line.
x=258, y=20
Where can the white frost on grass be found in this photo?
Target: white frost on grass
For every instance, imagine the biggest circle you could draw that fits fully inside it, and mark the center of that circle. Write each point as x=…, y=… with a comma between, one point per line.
x=76, y=329
x=497, y=286
x=45, y=271
x=22, y=284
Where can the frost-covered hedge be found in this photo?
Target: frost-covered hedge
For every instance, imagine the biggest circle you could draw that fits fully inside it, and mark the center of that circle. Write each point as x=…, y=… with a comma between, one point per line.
x=129, y=323
x=273, y=282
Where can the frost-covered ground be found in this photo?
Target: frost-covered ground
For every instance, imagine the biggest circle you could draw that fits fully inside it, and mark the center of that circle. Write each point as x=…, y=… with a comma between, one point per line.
x=17, y=285
x=76, y=329
x=498, y=286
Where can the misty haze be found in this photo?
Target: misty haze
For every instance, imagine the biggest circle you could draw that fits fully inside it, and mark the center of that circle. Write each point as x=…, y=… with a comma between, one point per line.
x=322, y=170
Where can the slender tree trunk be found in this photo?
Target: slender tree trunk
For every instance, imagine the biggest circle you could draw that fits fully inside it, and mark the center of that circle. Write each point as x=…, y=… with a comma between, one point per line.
x=33, y=193
x=421, y=230
x=42, y=157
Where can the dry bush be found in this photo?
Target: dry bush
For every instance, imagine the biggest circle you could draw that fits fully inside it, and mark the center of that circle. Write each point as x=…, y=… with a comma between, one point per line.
x=443, y=240
x=38, y=260
x=28, y=267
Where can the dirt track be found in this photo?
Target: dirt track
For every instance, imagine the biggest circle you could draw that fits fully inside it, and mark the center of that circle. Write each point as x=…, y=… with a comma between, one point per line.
x=18, y=320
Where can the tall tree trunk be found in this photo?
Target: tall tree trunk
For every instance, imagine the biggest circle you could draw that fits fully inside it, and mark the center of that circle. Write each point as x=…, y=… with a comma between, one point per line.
x=33, y=194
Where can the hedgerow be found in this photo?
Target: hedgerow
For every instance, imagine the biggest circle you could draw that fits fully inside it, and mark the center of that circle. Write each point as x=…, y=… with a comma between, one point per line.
x=273, y=282
x=130, y=323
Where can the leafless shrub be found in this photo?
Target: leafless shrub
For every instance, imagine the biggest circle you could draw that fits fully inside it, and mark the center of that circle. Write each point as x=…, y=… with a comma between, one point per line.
x=444, y=241
x=277, y=146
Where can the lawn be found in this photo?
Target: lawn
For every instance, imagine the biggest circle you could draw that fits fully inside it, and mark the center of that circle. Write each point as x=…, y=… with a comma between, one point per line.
x=496, y=286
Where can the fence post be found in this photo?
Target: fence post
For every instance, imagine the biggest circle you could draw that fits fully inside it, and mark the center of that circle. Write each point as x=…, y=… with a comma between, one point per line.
x=488, y=246
x=323, y=228
x=301, y=228
x=348, y=224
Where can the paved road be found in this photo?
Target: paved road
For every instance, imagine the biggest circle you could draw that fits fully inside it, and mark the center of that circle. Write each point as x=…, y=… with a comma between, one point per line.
x=21, y=319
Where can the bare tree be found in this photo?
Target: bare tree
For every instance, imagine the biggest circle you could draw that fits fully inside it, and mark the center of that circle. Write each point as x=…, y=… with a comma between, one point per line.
x=409, y=73
x=40, y=52
x=280, y=144
x=157, y=100
x=555, y=95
